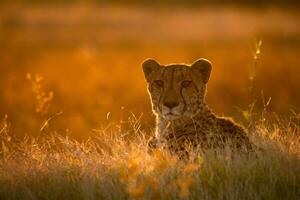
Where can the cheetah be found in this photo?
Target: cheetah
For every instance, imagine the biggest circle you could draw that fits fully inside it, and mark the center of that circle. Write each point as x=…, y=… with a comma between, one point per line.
x=183, y=119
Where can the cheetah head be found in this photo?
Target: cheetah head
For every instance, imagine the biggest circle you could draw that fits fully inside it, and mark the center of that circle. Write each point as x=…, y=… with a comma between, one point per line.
x=177, y=90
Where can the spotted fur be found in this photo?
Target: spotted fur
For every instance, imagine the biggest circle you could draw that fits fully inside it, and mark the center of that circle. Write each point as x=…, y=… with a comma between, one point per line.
x=184, y=120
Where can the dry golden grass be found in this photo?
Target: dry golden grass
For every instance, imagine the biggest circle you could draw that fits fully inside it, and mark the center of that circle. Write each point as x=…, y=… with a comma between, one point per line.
x=114, y=165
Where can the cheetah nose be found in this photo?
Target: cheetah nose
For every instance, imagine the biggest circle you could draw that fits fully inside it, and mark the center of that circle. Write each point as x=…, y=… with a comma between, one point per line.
x=171, y=104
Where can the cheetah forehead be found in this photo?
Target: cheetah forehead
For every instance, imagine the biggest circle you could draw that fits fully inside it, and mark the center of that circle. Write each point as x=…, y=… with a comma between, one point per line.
x=199, y=69
x=173, y=73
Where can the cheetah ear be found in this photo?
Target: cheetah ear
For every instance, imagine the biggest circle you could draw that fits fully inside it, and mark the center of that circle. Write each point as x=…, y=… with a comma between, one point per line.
x=203, y=67
x=149, y=66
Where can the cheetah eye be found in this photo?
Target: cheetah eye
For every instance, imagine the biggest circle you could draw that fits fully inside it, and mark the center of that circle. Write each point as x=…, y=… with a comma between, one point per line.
x=159, y=83
x=186, y=83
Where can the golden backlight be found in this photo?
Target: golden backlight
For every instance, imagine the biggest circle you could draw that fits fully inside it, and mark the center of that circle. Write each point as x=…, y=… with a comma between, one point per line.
x=87, y=60
x=76, y=119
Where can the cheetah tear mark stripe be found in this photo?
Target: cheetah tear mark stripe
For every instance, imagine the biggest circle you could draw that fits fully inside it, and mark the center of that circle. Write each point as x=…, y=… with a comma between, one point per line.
x=181, y=93
x=161, y=93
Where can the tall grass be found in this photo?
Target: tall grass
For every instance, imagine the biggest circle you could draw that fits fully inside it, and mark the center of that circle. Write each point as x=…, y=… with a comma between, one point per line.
x=115, y=165
x=252, y=75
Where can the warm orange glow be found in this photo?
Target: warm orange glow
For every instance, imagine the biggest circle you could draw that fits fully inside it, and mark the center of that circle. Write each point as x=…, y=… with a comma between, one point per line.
x=90, y=56
x=71, y=82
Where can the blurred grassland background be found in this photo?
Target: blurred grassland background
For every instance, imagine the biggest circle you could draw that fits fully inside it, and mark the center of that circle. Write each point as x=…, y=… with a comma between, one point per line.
x=83, y=58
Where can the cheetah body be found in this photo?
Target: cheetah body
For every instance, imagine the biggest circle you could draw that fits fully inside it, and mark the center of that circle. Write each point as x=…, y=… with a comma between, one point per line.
x=183, y=119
